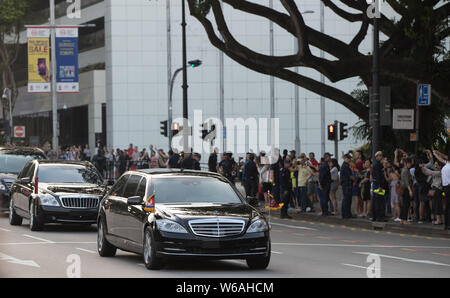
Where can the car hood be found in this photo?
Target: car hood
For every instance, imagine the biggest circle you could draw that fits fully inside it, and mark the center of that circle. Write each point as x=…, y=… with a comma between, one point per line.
x=207, y=210
x=8, y=176
x=73, y=189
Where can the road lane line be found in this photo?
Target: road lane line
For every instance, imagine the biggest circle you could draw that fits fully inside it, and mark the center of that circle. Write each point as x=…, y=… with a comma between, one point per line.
x=405, y=259
x=41, y=243
x=86, y=250
x=37, y=238
x=359, y=245
x=276, y=252
x=356, y=266
x=293, y=227
x=5, y=230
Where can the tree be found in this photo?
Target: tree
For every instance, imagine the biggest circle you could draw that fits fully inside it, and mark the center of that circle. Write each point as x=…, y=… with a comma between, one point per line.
x=423, y=21
x=12, y=17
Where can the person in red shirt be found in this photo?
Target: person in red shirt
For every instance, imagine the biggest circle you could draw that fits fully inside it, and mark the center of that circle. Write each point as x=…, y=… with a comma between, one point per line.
x=313, y=160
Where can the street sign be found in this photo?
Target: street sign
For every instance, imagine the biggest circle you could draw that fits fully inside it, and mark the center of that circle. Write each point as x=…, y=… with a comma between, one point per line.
x=403, y=119
x=19, y=131
x=424, y=95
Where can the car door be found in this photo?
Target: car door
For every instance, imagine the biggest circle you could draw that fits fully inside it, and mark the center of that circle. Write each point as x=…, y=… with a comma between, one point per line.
x=24, y=190
x=124, y=219
x=138, y=215
x=111, y=203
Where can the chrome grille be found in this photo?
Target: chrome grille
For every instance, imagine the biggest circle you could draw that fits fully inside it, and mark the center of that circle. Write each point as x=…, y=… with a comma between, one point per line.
x=217, y=227
x=79, y=202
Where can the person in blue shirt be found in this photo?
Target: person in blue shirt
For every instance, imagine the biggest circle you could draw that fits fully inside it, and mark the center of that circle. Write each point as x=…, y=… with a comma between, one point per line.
x=346, y=178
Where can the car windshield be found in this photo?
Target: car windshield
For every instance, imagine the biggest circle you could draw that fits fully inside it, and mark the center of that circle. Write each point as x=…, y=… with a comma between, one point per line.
x=184, y=190
x=68, y=174
x=13, y=162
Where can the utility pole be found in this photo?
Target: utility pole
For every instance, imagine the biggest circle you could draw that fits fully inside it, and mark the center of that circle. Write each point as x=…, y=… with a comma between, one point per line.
x=322, y=80
x=272, y=80
x=222, y=97
x=186, y=129
x=169, y=71
x=375, y=97
x=55, y=139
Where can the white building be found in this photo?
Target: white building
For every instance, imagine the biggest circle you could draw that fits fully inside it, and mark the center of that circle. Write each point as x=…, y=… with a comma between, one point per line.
x=133, y=87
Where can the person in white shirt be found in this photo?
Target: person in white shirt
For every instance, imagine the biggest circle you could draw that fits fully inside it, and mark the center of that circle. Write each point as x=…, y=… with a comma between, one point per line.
x=445, y=176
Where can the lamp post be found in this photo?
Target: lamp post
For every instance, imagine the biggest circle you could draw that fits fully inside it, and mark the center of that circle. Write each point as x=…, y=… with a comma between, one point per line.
x=375, y=96
x=193, y=64
x=185, y=85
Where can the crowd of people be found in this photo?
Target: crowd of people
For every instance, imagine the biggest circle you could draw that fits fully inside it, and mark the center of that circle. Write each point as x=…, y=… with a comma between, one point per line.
x=408, y=188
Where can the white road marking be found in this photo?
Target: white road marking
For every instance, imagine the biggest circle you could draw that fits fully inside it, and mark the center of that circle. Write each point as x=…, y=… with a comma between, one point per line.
x=405, y=259
x=5, y=230
x=87, y=250
x=13, y=260
x=356, y=266
x=293, y=227
x=276, y=252
x=37, y=238
x=360, y=245
x=40, y=243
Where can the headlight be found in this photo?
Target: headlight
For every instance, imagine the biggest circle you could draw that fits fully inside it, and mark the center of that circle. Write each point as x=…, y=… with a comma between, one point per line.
x=166, y=225
x=48, y=200
x=2, y=186
x=259, y=225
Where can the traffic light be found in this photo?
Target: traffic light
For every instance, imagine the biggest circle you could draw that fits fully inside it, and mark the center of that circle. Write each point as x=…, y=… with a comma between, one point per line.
x=195, y=63
x=332, y=132
x=175, y=128
x=204, y=132
x=164, y=128
x=343, y=131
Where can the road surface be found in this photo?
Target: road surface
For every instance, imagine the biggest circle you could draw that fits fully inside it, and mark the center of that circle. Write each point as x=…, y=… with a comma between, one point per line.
x=299, y=249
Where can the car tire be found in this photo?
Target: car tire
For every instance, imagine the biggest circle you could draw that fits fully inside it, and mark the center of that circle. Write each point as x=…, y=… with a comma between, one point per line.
x=104, y=248
x=36, y=223
x=151, y=261
x=14, y=219
x=259, y=262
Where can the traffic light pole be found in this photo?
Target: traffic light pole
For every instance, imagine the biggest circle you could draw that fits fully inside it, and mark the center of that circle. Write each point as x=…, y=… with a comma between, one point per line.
x=185, y=85
x=375, y=96
x=336, y=140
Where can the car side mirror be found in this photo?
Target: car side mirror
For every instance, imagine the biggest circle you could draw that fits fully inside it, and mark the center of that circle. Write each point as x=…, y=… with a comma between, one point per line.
x=134, y=200
x=109, y=182
x=26, y=180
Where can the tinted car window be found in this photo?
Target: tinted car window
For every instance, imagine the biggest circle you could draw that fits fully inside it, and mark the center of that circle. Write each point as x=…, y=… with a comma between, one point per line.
x=67, y=173
x=117, y=189
x=25, y=171
x=141, y=188
x=193, y=190
x=131, y=187
x=14, y=161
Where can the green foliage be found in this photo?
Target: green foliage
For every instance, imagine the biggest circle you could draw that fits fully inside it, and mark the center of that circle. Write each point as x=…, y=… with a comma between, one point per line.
x=12, y=14
x=201, y=7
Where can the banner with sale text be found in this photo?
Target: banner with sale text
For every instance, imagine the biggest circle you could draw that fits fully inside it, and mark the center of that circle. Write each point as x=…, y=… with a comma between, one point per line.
x=67, y=60
x=38, y=60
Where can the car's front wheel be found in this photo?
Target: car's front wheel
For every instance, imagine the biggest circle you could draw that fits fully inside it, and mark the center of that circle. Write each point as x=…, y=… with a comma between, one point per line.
x=104, y=248
x=259, y=262
x=36, y=223
x=14, y=219
x=151, y=261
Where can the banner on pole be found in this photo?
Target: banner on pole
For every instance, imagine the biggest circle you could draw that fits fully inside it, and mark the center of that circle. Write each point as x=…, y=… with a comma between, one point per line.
x=38, y=60
x=67, y=60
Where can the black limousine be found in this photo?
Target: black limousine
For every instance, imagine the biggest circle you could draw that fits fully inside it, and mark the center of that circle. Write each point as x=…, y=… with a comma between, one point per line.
x=56, y=192
x=181, y=213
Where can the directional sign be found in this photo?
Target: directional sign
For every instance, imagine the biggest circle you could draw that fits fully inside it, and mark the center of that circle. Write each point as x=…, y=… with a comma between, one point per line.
x=424, y=95
x=19, y=131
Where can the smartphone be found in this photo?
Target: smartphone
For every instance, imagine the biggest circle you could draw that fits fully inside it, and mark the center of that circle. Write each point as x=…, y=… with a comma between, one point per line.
x=42, y=67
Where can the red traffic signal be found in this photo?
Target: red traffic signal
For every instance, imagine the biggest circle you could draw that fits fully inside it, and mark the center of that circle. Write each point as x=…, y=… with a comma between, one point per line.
x=332, y=132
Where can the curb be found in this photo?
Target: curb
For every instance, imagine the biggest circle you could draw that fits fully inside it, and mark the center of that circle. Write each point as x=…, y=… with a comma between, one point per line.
x=366, y=224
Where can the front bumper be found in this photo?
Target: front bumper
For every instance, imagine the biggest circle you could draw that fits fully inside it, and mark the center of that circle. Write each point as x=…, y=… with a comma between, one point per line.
x=49, y=214
x=188, y=245
x=4, y=201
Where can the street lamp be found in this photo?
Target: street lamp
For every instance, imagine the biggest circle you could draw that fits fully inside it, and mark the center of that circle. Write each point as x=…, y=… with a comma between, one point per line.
x=7, y=95
x=193, y=64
